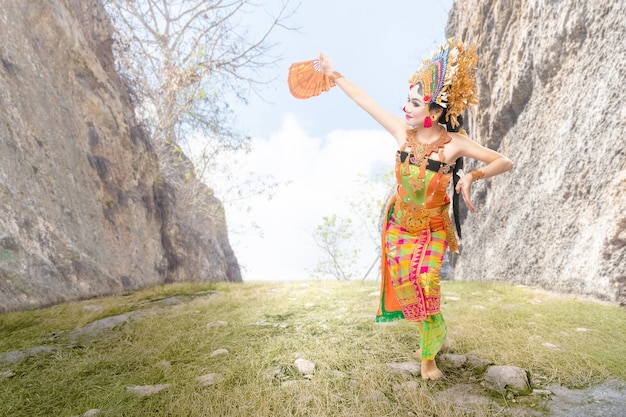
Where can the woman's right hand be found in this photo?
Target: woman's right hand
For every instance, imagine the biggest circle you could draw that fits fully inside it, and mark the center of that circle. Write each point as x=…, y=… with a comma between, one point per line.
x=325, y=64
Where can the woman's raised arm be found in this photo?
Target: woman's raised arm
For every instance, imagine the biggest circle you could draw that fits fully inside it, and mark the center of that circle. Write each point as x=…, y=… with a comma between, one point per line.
x=393, y=124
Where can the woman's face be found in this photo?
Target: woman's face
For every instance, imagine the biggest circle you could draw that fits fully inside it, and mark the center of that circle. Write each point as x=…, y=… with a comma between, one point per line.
x=415, y=109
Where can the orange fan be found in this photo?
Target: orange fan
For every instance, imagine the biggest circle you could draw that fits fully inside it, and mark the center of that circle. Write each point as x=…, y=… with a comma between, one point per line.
x=307, y=80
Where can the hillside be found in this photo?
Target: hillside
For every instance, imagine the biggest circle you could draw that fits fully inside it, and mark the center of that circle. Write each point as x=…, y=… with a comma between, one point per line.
x=85, y=207
x=550, y=81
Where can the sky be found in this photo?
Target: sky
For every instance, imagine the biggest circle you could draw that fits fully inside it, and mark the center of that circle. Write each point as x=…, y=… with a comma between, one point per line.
x=319, y=150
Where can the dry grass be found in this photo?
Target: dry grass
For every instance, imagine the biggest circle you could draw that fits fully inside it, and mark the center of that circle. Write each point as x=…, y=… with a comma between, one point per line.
x=329, y=323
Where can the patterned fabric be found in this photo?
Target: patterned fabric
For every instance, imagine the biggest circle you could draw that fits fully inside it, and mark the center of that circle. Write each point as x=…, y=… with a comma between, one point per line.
x=433, y=332
x=411, y=259
x=414, y=262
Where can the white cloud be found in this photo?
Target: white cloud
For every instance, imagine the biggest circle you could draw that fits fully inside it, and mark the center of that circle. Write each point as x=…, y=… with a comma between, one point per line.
x=318, y=176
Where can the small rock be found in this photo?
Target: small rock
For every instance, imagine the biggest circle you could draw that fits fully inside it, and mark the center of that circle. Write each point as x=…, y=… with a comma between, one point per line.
x=302, y=402
x=210, y=379
x=38, y=350
x=276, y=373
x=289, y=384
x=405, y=386
x=377, y=396
x=503, y=379
x=606, y=399
x=338, y=374
x=12, y=357
x=550, y=345
x=19, y=355
x=264, y=323
x=465, y=395
x=294, y=384
x=411, y=368
x=478, y=364
x=91, y=413
x=217, y=323
x=164, y=364
x=7, y=374
x=304, y=366
x=99, y=327
x=219, y=352
x=147, y=390
x=453, y=359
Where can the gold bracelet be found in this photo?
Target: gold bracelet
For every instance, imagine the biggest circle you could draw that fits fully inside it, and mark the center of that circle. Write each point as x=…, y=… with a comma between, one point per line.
x=477, y=174
x=335, y=76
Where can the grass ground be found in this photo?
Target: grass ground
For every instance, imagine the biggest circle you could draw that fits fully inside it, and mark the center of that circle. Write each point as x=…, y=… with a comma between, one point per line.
x=266, y=326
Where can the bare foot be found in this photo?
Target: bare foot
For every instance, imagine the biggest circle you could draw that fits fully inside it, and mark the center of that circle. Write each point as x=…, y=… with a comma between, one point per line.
x=444, y=348
x=430, y=370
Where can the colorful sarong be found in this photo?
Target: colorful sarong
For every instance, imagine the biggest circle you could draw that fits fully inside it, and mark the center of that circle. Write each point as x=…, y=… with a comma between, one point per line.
x=410, y=285
x=414, y=261
x=416, y=233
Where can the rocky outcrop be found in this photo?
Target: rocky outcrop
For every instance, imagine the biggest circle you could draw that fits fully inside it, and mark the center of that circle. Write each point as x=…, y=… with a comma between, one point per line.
x=551, y=83
x=85, y=209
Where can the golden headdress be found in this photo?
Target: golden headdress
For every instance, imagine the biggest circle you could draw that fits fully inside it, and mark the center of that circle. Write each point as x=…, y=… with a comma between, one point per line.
x=447, y=79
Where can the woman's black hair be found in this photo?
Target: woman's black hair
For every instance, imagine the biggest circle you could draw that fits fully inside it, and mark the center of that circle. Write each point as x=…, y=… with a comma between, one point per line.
x=442, y=118
x=458, y=164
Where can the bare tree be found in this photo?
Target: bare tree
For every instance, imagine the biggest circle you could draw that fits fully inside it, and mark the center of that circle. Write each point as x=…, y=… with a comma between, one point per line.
x=185, y=60
x=185, y=57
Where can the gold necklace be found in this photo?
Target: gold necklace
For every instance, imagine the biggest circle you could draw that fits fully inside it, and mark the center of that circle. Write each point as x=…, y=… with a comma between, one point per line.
x=419, y=154
x=421, y=151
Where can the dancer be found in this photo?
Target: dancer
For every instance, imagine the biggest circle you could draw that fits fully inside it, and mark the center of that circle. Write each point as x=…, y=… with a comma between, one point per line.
x=418, y=227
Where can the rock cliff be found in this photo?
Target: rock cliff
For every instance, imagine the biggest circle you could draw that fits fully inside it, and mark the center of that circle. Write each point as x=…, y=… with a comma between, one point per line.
x=85, y=209
x=552, y=98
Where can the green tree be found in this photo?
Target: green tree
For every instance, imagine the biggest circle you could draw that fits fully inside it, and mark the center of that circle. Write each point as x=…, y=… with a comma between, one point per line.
x=351, y=244
x=333, y=237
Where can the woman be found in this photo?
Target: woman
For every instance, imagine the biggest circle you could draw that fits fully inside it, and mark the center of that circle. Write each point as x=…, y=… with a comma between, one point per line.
x=418, y=229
